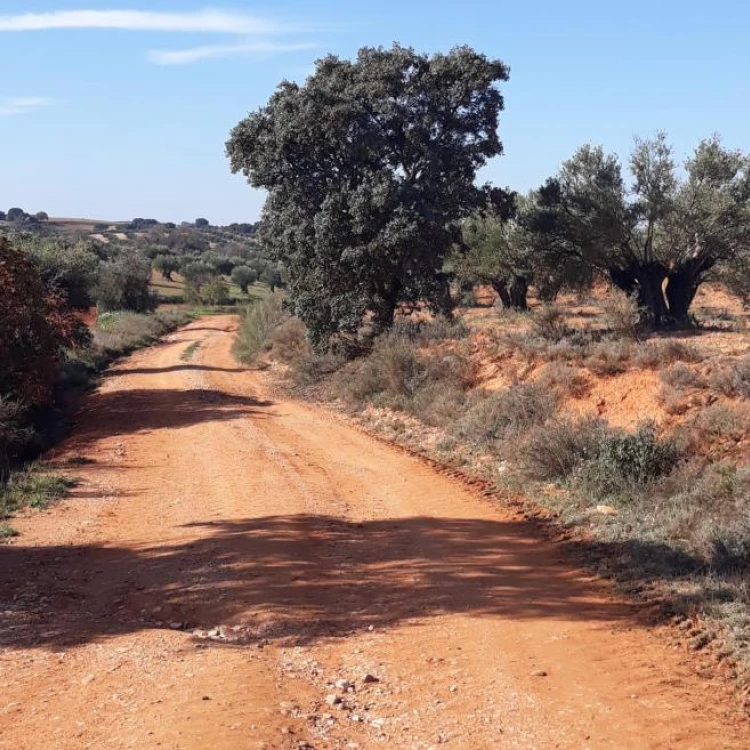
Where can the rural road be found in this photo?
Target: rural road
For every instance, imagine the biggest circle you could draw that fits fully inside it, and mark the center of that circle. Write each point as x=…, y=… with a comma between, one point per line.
x=307, y=556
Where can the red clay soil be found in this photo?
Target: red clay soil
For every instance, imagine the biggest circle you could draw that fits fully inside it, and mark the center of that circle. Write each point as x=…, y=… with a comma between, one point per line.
x=238, y=571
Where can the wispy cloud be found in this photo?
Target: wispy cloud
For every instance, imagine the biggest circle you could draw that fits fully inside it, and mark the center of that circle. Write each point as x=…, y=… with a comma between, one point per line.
x=21, y=105
x=256, y=35
x=201, y=21
x=212, y=52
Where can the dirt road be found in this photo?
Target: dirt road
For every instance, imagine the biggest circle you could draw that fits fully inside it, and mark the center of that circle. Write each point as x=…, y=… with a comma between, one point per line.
x=230, y=562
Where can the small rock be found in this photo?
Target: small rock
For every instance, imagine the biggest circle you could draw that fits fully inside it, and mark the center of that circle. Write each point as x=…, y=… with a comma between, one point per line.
x=87, y=679
x=606, y=510
x=370, y=679
x=205, y=698
x=175, y=625
x=355, y=718
x=343, y=684
x=538, y=673
x=286, y=730
x=453, y=688
x=333, y=700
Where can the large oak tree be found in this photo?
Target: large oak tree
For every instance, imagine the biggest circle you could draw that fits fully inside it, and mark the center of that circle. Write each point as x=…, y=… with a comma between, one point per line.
x=368, y=166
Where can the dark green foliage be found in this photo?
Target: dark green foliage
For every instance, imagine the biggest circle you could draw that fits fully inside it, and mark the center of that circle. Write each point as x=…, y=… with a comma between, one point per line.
x=16, y=214
x=243, y=277
x=215, y=293
x=495, y=251
x=166, y=265
x=123, y=284
x=201, y=222
x=67, y=268
x=658, y=238
x=367, y=167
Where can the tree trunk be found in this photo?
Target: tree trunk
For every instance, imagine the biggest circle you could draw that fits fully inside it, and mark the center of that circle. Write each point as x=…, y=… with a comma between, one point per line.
x=519, y=288
x=682, y=286
x=512, y=292
x=650, y=291
x=385, y=312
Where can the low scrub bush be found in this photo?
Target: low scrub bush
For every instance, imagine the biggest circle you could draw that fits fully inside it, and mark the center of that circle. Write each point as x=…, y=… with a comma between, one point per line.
x=119, y=333
x=256, y=327
x=680, y=375
x=427, y=331
x=721, y=420
x=549, y=323
x=499, y=416
x=674, y=400
x=397, y=375
x=732, y=379
x=555, y=450
x=564, y=379
x=662, y=352
x=608, y=357
x=625, y=463
x=623, y=315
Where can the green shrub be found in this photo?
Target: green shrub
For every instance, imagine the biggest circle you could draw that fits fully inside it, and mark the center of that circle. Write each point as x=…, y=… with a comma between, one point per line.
x=34, y=488
x=123, y=284
x=626, y=462
x=215, y=293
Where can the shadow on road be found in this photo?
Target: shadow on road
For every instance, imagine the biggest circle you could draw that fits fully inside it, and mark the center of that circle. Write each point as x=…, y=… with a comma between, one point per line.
x=126, y=412
x=294, y=579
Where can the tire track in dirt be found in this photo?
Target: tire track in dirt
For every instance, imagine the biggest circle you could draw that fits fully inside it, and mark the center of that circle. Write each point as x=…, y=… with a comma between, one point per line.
x=230, y=562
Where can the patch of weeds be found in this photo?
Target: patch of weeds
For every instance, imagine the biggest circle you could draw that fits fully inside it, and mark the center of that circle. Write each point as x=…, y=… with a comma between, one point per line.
x=495, y=417
x=7, y=532
x=732, y=379
x=721, y=420
x=33, y=488
x=608, y=357
x=554, y=451
x=564, y=379
x=680, y=375
x=187, y=355
x=659, y=353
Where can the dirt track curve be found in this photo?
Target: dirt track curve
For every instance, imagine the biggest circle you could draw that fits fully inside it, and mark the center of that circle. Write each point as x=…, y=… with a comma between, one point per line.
x=305, y=554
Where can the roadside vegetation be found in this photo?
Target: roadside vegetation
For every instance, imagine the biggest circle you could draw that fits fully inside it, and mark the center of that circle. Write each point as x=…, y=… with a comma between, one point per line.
x=600, y=383
x=77, y=295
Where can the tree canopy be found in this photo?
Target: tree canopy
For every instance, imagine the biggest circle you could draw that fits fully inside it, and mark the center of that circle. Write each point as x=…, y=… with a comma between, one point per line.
x=368, y=166
x=658, y=237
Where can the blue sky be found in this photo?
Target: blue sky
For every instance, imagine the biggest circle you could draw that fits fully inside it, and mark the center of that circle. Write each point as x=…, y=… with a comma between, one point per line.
x=115, y=115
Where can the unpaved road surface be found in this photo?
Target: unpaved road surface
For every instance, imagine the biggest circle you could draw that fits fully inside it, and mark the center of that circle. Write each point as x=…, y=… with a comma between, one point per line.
x=230, y=562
